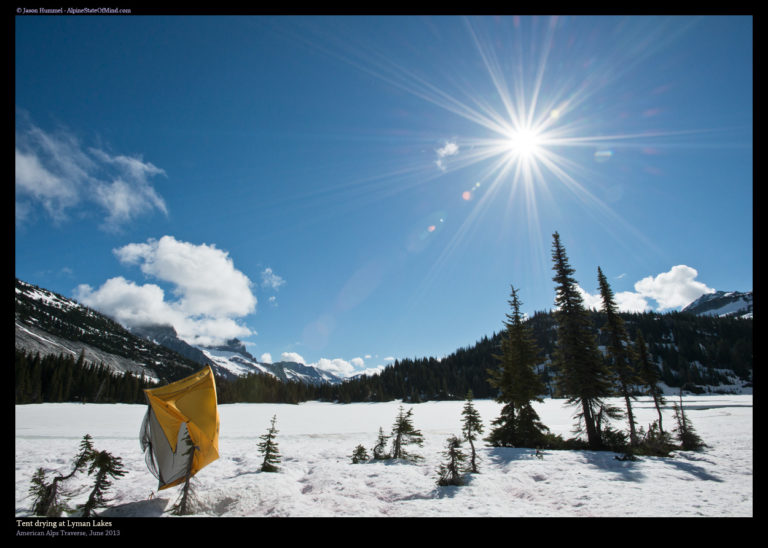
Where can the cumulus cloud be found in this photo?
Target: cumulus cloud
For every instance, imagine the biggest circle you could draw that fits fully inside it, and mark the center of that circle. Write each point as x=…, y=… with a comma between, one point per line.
x=337, y=366
x=57, y=173
x=292, y=357
x=449, y=149
x=209, y=293
x=266, y=357
x=673, y=289
x=592, y=302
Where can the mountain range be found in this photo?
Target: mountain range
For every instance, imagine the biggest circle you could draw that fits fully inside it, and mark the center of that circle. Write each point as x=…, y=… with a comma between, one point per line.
x=708, y=343
x=48, y=323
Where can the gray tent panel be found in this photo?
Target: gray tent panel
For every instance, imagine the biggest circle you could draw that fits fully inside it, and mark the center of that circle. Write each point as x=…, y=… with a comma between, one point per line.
x=165, y=464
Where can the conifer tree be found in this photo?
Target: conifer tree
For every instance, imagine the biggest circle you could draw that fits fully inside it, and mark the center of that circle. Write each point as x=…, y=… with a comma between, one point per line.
x=403, y=434
x=449, y=472
x=619, y=351
x=518, y=384
x=359, y=455
x=268, y=448
x=184, y=503
x=48, y=498
x=471, y=426
x=584, y=377
x=649, y=374
x=380, y=449
x=686, y=434
x=106, y=466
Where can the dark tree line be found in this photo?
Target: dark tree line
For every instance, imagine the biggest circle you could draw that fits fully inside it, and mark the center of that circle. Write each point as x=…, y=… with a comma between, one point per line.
x=676, y=341
x=62, y=378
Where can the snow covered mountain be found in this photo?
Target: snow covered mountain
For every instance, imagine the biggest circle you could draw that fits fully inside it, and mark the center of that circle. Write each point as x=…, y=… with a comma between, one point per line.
x=232, y=359
x=722, y=303
x=49, y=323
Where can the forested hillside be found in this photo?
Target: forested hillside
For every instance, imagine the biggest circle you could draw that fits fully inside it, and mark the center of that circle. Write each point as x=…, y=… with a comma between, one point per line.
x=691, y=351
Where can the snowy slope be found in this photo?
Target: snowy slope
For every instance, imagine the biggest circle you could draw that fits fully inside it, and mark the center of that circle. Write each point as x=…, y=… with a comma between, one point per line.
x=723, y=303
x=231, y=361
x=317, y=478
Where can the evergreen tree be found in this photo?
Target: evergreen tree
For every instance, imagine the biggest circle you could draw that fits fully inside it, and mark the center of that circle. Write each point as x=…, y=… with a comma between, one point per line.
x=471, y=426
x=106, y=466
x=359, y=455
x=686, y=434
x=268, y=448
x=449, y=472
x=649, y=374
x=584, y=377
x=186, y=500
x=48, y=498
x=380, y=449
x=403, y=434
x=518, y=384
x=619, y=351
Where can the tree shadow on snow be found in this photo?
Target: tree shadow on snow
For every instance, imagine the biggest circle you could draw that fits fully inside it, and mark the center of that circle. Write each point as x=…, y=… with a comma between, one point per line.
x=505, y=455
x=144, y=508
x=692, y=469
x=626, y=470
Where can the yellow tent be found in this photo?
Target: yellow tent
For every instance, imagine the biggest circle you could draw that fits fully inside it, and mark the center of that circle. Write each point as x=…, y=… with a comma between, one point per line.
x=180, y=432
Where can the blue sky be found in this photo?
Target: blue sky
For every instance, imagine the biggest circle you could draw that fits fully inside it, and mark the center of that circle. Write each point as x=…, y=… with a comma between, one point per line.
x=348, y=190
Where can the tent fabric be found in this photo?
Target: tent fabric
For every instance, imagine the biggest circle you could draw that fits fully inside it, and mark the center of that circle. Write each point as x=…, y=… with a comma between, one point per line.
x=180, y=431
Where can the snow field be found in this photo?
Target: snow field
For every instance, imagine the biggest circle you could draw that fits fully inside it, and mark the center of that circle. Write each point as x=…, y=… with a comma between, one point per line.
x=317, y=479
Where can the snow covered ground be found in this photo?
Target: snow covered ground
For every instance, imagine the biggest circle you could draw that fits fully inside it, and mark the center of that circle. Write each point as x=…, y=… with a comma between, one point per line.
x=317, y=478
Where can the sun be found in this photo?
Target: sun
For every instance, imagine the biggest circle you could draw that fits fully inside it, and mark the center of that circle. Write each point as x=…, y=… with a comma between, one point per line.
x=525, y=143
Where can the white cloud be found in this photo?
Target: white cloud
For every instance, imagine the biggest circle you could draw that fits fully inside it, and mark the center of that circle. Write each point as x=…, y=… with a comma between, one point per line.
x=271, y=280
x=55, y=171
x=449, y=149
x=593, y=302
x=389, y=359
x=357, y=362
x=673, y=289
x=272, y=300
x=205, y=277
x=210, y=293
x=54, y=193
x=292, y=357
x=266, y=357
x=626, y=301
x=337, y=366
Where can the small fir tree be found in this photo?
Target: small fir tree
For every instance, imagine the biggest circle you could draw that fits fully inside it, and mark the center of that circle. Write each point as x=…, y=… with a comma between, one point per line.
x=649, y=374
x=449, y=472
x=359, y=455
x=686, y=434
x=404, y=434
x=187, y=499
x=48, y=499
x=106, y=467
x=380, y=449
x=472, y=425
x=619, y=351
x=518, y=384
x=268, y=448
